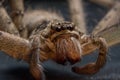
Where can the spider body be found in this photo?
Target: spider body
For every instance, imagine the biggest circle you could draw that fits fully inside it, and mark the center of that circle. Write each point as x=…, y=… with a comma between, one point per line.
x=56, y=38
x=62, y=42
x=43, y=37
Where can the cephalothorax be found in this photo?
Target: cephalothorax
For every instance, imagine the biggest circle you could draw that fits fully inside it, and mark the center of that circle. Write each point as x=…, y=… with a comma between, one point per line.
x=52, y=38
x=61, y=42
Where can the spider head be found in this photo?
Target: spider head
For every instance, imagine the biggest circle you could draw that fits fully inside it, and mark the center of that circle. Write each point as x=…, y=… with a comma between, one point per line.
x=66, y=42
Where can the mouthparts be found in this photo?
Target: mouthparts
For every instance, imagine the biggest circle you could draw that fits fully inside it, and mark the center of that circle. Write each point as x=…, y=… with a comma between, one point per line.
x=68, y=48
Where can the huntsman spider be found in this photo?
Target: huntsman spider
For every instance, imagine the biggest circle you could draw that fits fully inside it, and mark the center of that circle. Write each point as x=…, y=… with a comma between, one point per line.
x=38, y=36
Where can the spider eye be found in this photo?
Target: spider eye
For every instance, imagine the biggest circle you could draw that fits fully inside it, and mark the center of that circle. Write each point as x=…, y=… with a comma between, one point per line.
x=58, y=29
x=62, y=26
x=70, y=28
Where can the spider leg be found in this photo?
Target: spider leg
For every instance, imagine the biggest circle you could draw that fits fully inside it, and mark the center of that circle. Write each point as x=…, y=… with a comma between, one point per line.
x=6, y=23
x=110, y=19
x=106, y=3
x=87, y=45
x=35, y=67
x=77, y=14
x=14, y=46
x=112, y=34
x=17, y=8
x=93, y=68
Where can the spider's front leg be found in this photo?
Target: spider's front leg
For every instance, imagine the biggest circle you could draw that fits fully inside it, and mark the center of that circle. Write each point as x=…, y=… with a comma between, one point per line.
x=93, y=68
x=35, y=67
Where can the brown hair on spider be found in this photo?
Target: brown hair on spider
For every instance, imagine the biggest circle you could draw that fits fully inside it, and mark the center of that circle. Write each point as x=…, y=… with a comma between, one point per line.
x=66, y=42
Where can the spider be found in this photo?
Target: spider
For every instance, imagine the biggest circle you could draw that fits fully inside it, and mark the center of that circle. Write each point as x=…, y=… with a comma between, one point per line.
x=37, y=36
